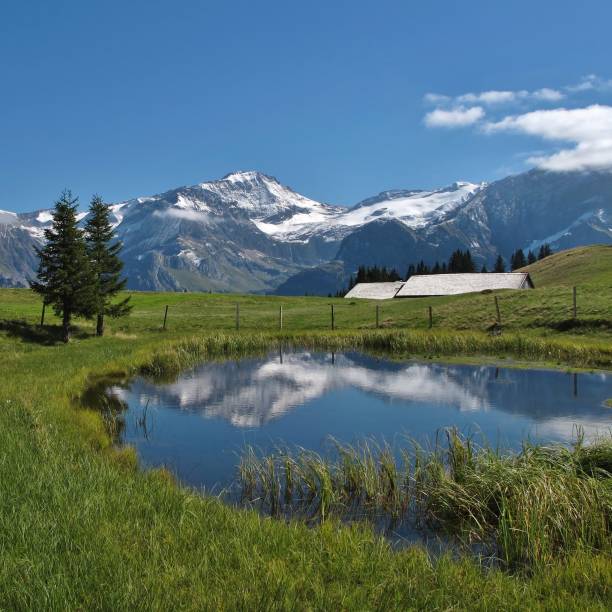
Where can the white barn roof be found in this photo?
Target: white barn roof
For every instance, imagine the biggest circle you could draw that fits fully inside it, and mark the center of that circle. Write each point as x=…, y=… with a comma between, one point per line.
x=454, y=284
x=375, y=291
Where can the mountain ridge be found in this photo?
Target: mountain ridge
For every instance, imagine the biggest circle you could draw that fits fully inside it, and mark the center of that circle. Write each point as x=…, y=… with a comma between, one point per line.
x=249, y=232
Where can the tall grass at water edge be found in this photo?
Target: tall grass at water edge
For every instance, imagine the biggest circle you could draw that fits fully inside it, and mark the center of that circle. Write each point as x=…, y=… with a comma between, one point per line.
x=526, y=508
x=179, y=354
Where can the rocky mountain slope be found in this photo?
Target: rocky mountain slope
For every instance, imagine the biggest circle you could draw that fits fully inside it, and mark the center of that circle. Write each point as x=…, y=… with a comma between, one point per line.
x=248, y=232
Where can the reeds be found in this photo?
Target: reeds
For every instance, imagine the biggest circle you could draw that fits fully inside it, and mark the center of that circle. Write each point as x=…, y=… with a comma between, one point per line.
x=181, y=354
x=526, y=508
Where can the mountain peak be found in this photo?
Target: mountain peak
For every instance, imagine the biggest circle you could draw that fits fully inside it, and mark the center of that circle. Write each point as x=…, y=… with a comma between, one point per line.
x=246, y=176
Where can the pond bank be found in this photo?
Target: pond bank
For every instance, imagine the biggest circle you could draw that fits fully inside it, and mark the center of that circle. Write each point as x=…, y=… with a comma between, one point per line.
x=127, y=538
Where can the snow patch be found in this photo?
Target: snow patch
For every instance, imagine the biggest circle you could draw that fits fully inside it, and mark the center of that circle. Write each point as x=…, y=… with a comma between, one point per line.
x=8, y=218
x=415, y=209
x=190, y=256
x=535, y=244
x=44, y=216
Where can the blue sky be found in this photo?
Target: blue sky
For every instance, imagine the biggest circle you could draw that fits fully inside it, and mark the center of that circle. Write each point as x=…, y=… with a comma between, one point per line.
x=132, y=98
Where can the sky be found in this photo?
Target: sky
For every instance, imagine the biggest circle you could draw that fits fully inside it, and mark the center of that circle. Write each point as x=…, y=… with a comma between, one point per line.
x=339, y=100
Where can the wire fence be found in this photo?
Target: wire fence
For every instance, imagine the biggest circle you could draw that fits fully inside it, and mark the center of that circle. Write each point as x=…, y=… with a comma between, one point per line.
x=561, y=308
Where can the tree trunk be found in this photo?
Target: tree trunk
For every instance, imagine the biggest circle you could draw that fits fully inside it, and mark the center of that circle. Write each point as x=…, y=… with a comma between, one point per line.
x=100, y=325
x=66, y=325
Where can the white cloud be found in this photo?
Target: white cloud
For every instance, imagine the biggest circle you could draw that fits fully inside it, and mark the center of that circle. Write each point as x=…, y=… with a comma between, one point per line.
x=495, y=97
x=491, y=97
x=590, y=82
x=456, y=117
x=589, y=128
x=433, y=98
x=180, y=213
x=548, y=95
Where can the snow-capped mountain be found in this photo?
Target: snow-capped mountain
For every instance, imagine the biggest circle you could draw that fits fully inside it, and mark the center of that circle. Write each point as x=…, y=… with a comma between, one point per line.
x=412, y=208
x=248, y=232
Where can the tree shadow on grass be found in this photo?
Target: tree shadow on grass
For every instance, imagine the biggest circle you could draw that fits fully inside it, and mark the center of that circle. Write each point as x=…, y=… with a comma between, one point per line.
x=47, y=335
x=582, y=325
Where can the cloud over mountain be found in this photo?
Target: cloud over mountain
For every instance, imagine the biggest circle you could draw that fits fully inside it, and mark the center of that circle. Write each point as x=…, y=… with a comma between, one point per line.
x=589, y=128
x=456, y=117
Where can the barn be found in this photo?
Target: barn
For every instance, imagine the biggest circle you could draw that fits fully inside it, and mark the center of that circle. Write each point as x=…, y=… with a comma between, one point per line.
x=427, y=285
x=375, y=291
x=454, y=284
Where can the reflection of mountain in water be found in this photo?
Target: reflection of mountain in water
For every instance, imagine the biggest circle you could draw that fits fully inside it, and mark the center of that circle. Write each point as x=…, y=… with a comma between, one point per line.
x=250, y=392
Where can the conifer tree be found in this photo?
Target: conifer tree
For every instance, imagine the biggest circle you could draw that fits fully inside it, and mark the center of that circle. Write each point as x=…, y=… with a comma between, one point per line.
x=461, y=262
x=500, y=264
x=544, y=251
x=468, y=262
x=484, y=268
x=518, y=260
x=531, y=257
x=65, y=279
x=103, y=250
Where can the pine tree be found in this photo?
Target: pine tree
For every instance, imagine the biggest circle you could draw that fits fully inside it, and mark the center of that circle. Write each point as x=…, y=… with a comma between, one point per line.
x=544, y=251
x=500, y=264
x=65, y=278
x=454, y=262
x=531, y=257
x=518, y=260
x=103, y=250
x=468, y=262
x=461, y=262
x=422, y=268
x=484, y=270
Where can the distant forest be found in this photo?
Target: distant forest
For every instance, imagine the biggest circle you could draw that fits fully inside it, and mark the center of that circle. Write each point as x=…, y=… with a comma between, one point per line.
x=459, y=262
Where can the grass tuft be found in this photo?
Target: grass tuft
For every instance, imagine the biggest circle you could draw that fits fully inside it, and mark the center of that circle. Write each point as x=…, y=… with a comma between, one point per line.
x=528, y=508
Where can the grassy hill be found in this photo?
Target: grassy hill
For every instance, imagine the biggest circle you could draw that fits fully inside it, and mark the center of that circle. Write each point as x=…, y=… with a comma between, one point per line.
x=82, y=527
x=545, y=310
x=589, y=265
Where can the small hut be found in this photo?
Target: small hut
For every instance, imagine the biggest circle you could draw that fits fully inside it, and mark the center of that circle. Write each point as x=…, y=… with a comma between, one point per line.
x=375, y=291
x=425, y=285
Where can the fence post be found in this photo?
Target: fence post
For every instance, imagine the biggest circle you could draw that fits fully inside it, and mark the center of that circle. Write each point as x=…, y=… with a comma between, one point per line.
x=498, y=311
x=237, y=315
x=280, y=317
x=575, y=304
x=430, y=317
x=333, y=320
x=377, y=316
x=575, y=384
x=42, y=316
x=165, y=317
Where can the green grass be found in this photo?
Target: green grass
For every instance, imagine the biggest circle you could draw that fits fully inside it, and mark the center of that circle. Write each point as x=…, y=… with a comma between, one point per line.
x=81, y=526
x=527, y=509
x=590, y=265
x=545, y=311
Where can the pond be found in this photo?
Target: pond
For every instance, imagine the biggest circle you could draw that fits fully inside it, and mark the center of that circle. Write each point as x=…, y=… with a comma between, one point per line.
x=198, y=425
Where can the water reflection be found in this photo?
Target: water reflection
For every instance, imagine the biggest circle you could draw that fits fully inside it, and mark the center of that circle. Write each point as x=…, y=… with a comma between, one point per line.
x=249, y=393
x=301, y=398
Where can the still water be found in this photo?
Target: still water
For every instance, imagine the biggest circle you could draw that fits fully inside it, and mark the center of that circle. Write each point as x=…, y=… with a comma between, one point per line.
x=198, y=425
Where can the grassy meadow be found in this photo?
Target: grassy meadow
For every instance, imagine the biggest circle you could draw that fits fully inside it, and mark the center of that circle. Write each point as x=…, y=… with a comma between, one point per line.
x=82, y=527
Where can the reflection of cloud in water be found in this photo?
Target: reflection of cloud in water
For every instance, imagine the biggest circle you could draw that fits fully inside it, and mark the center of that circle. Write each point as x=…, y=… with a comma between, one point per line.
x=251, y=392
x=563, y=429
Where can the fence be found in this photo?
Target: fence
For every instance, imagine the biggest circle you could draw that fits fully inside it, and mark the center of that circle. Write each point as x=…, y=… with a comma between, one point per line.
x=478, y=311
